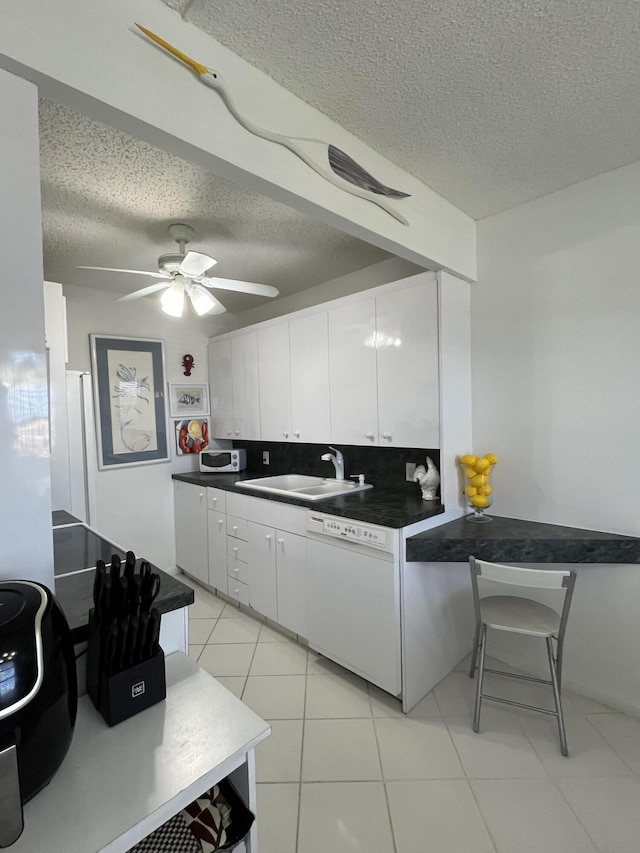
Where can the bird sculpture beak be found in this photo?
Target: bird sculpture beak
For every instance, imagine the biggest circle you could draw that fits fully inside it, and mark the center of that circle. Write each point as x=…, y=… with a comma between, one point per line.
x=196, y=66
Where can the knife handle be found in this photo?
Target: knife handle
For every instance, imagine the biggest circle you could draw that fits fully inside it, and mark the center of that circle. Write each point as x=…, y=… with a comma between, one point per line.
x=152, y=635
x=132, y=637
x=141, y=641
x=116, y=562
x=105, y=604
x=97, y=587
x=110, y=648
x=129, y=564
x=135, y=588
x=123, y=596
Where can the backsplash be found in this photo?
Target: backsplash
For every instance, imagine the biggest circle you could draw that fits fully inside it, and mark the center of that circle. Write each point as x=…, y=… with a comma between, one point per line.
x=382, y=466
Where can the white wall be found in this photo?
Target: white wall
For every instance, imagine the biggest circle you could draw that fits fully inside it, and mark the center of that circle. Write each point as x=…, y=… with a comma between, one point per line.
x=134, y=505
x=384, y=272
x=556, y=350
x=25, y=501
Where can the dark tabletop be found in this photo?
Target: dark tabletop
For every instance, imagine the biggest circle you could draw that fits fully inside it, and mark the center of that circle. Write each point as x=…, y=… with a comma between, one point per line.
x=516, y=541
x=394, y=508
x=75, y=552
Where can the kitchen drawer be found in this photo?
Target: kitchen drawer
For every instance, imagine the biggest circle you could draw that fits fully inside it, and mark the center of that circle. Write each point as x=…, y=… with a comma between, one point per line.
x=217, y=499
x=237, y=527
x=238, y=591
x=237, y=550
x=237, y=570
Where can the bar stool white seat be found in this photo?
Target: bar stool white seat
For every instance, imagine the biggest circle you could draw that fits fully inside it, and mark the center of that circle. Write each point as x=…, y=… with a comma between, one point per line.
x=520, y=615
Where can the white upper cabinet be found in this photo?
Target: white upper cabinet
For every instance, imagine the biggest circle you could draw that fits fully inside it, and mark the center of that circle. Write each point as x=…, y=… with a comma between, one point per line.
x=352, y=372
x=275, y=383
x=364, y=372
x=407, y=360
x=246, y=392
x=384, y=368
x=233, y=377
x=221, y=389
x=310, y=405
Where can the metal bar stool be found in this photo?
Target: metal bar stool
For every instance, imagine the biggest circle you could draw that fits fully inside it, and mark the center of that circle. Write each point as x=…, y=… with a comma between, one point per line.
x=520, y=615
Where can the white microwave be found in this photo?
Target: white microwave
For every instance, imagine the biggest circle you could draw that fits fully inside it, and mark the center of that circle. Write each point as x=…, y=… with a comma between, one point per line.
x=219, y=461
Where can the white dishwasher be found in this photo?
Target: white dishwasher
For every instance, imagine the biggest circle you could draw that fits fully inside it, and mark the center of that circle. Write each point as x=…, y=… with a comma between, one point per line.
x=354, y=596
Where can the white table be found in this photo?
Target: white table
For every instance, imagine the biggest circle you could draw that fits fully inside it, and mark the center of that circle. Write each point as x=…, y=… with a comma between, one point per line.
x=116, y=785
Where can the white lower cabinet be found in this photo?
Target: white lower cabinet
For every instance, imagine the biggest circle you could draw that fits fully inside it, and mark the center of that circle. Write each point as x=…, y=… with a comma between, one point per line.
x=190, y=513
x=353, y=612
x=262, y=570
x=291, y=574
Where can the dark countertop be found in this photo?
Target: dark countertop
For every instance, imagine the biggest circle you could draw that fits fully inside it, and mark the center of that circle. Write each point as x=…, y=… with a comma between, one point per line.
x=389, y=507
x=516, y=541
x=75, y=551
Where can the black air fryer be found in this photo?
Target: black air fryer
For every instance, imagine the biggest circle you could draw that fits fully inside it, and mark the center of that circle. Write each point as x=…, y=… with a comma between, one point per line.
x=38, y=696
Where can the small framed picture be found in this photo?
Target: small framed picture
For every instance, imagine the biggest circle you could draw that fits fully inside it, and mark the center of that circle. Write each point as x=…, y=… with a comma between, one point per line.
x=188, y=401
x=192, y=435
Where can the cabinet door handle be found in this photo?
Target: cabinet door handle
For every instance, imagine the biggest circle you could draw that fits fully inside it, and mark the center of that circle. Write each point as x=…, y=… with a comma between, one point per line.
x=214, y=501
x=201, y=495
x=237, y=432
x=234, y=527
x=281, y=543
x=228, y=432
x=267, y=536
x=237, y=569
x=235, y=549
x=237, y=591
x=387, y=436
x=370, y=436
x=285, y=434
x=297, y=434
x=220, y=522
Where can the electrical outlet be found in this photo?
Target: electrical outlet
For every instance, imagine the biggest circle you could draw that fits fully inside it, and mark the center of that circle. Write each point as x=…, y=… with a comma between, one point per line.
x=265, y=457
x=410, y=470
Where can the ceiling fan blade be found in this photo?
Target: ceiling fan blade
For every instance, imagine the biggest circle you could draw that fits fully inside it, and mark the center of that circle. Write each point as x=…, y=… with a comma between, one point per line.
x=145, y=291
x=203, y=301
x=134, y=272
x=195, y=264
x=240, y=286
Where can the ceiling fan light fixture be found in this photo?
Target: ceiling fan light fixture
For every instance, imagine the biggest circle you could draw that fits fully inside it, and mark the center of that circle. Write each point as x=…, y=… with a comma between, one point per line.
x=172, y=300
x=203, y=302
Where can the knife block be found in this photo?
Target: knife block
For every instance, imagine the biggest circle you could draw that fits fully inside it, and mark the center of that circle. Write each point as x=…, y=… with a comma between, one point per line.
x=125, y=693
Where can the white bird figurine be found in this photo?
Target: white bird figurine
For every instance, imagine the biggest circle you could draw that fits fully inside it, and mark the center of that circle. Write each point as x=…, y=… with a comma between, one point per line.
x=428, y=478
x=327, y=160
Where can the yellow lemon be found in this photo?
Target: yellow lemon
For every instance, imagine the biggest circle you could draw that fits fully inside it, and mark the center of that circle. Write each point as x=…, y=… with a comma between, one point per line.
x=470, y=491
x=481, y=466
x=479, y=501
x=485, y=490
x=479, y=480
x=468, y=459
x=491, y=458
x=470, y=472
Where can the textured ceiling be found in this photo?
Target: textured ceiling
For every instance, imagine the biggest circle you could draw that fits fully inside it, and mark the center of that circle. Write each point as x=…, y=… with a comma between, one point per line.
x=491, y=103
x=107, y=200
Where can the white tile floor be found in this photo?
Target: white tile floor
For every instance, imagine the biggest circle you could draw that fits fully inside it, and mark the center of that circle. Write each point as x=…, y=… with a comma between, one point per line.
x=344, y=770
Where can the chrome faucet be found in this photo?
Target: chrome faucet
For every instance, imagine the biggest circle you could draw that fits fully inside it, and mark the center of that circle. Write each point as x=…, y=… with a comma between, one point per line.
x=338, y=461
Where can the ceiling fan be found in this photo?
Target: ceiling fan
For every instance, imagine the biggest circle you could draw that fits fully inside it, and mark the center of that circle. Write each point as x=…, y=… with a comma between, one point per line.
x=184, y=273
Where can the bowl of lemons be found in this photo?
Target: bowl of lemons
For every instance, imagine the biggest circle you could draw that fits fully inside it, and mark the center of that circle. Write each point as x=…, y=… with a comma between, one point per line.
x=478, y=491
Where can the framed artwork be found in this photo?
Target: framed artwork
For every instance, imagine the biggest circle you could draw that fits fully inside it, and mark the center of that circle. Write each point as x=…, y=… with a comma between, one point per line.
x=188, y=401
x=128, y=387
x=192, y=435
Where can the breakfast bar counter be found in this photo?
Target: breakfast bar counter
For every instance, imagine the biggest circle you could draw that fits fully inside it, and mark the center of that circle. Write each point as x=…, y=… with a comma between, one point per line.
x=514, y=540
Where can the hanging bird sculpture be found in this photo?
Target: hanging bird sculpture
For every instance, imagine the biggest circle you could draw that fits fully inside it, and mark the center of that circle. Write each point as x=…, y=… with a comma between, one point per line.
x=328, y=161
x=429, y=480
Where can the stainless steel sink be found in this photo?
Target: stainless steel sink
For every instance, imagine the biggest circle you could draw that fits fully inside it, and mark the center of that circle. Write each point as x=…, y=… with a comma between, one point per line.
x=304, y=486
